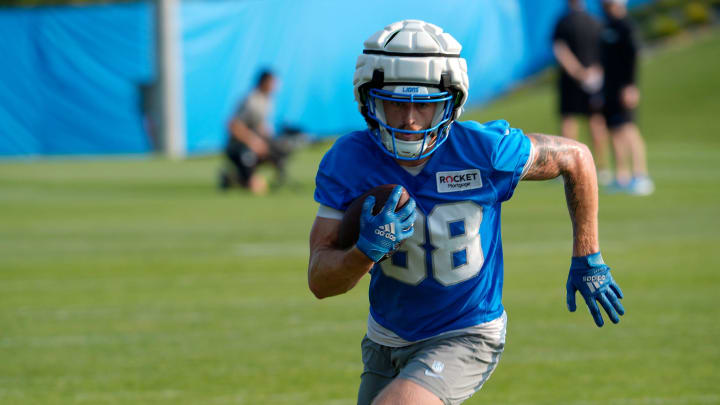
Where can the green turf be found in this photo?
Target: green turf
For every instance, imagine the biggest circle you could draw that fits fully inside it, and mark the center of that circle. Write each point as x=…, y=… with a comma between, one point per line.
x=135, y=281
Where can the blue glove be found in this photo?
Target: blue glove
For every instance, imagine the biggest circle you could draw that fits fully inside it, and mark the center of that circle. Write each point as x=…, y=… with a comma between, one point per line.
x=591, y=276
x=381, y=234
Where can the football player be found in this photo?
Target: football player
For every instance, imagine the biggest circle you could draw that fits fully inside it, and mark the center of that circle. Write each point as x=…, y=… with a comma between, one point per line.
x=436, y=327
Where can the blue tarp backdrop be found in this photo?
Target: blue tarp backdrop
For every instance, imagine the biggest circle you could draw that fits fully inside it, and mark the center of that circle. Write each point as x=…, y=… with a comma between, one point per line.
x=71, y=77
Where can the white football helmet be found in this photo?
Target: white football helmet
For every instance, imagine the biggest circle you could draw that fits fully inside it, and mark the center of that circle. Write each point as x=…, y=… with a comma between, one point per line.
x=416, y=62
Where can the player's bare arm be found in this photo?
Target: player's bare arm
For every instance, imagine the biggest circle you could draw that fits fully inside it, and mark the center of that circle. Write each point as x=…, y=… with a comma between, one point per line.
x=568, y=60
x=332, y=271
x=247, y=136
x=556, y=156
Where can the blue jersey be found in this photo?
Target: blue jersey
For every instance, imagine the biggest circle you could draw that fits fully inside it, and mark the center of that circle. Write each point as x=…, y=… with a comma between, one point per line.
x=449, y=274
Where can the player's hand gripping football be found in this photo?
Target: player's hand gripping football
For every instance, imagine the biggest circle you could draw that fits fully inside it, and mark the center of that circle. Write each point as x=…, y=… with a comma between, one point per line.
x=382, y=233
x=591, y=276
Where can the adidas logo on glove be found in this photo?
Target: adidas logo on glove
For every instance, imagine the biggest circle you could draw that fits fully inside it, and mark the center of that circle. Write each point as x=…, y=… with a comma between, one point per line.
x=387, y=230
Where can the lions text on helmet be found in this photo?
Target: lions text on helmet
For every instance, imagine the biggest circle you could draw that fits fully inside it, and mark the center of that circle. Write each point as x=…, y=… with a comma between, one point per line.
x=410, y=84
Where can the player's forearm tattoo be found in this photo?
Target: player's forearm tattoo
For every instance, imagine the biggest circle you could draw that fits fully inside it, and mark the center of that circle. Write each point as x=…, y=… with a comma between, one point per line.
x=572, y=202
x=555, y=156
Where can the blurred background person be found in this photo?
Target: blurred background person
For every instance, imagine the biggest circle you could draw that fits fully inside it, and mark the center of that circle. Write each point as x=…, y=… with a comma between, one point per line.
x=576, y=45
x=249, y=135
x=251, y=141
x=619, y=53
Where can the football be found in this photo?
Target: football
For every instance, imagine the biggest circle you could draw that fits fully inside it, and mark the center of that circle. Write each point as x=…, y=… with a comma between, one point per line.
x=350, y=225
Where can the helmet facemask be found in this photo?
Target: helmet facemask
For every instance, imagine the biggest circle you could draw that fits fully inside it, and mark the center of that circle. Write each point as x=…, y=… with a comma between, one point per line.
x=387, y=136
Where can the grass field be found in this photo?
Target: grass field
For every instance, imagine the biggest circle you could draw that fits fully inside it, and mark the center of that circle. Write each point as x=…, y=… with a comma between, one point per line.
x=134, y=281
